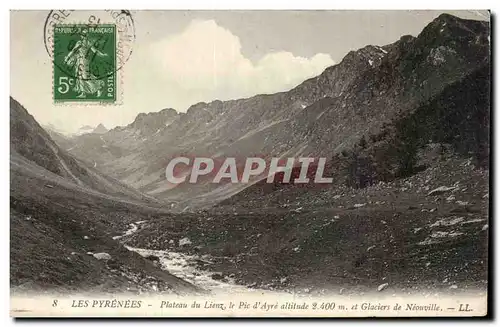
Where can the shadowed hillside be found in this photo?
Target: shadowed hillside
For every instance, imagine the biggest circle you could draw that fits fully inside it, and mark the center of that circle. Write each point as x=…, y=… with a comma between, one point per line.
x=63, y=217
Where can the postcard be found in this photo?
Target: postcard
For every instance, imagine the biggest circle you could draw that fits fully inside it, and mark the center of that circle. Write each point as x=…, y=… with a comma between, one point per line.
x=249, y=163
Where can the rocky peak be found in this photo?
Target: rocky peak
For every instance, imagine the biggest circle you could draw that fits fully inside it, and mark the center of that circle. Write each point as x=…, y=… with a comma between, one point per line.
x=369, y=55
x=150, y=123
x=454, y=32
x=196, y=108
x=100, y=129
x=169, y=112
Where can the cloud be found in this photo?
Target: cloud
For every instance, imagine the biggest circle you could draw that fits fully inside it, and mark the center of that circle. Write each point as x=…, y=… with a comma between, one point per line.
x=205, y=61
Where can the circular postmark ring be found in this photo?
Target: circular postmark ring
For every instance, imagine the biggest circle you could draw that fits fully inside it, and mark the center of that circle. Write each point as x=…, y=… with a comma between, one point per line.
x=125, y=34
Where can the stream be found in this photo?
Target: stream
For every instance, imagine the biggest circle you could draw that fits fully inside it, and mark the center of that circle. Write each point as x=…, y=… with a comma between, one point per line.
x=185, y=267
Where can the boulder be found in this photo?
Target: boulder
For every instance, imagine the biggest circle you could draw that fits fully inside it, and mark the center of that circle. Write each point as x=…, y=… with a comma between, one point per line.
x=382, y=287
x=184, y=241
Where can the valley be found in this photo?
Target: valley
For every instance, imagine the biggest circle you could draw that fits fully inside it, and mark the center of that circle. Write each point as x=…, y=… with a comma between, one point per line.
x=405, y=129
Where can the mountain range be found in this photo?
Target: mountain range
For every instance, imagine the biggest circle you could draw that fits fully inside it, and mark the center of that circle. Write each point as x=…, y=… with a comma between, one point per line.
x=367, y=96
x=405, y=128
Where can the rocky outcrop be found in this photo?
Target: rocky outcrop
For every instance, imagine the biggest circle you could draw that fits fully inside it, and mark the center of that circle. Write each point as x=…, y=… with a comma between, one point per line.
x=100, y=129
x=153, y=122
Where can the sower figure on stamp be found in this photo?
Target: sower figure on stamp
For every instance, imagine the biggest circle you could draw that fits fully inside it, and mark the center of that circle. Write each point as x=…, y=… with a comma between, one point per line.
x=79, y=61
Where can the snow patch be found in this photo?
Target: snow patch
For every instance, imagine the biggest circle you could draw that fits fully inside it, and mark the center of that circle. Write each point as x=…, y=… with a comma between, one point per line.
x=102, y=256
x=472, y=221
x=384, y=51
x=442, y=189
x=447, y=221
x=439, y=236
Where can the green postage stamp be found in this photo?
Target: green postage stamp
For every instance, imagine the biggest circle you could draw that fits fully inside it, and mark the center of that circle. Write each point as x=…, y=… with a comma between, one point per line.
x=84, y=63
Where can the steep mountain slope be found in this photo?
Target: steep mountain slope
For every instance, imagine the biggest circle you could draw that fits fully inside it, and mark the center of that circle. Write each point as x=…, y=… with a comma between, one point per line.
x=409, y=207
x=62, y=213
x=30, y=140
x=456, y=120
x=63, y=140
x=370, y=89
x=345, y=241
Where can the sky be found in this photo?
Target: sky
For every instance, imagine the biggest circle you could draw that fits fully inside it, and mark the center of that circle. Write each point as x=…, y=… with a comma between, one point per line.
x=180, y=58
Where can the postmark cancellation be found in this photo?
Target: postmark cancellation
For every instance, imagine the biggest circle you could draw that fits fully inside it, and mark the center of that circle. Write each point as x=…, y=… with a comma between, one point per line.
x=88, y=50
